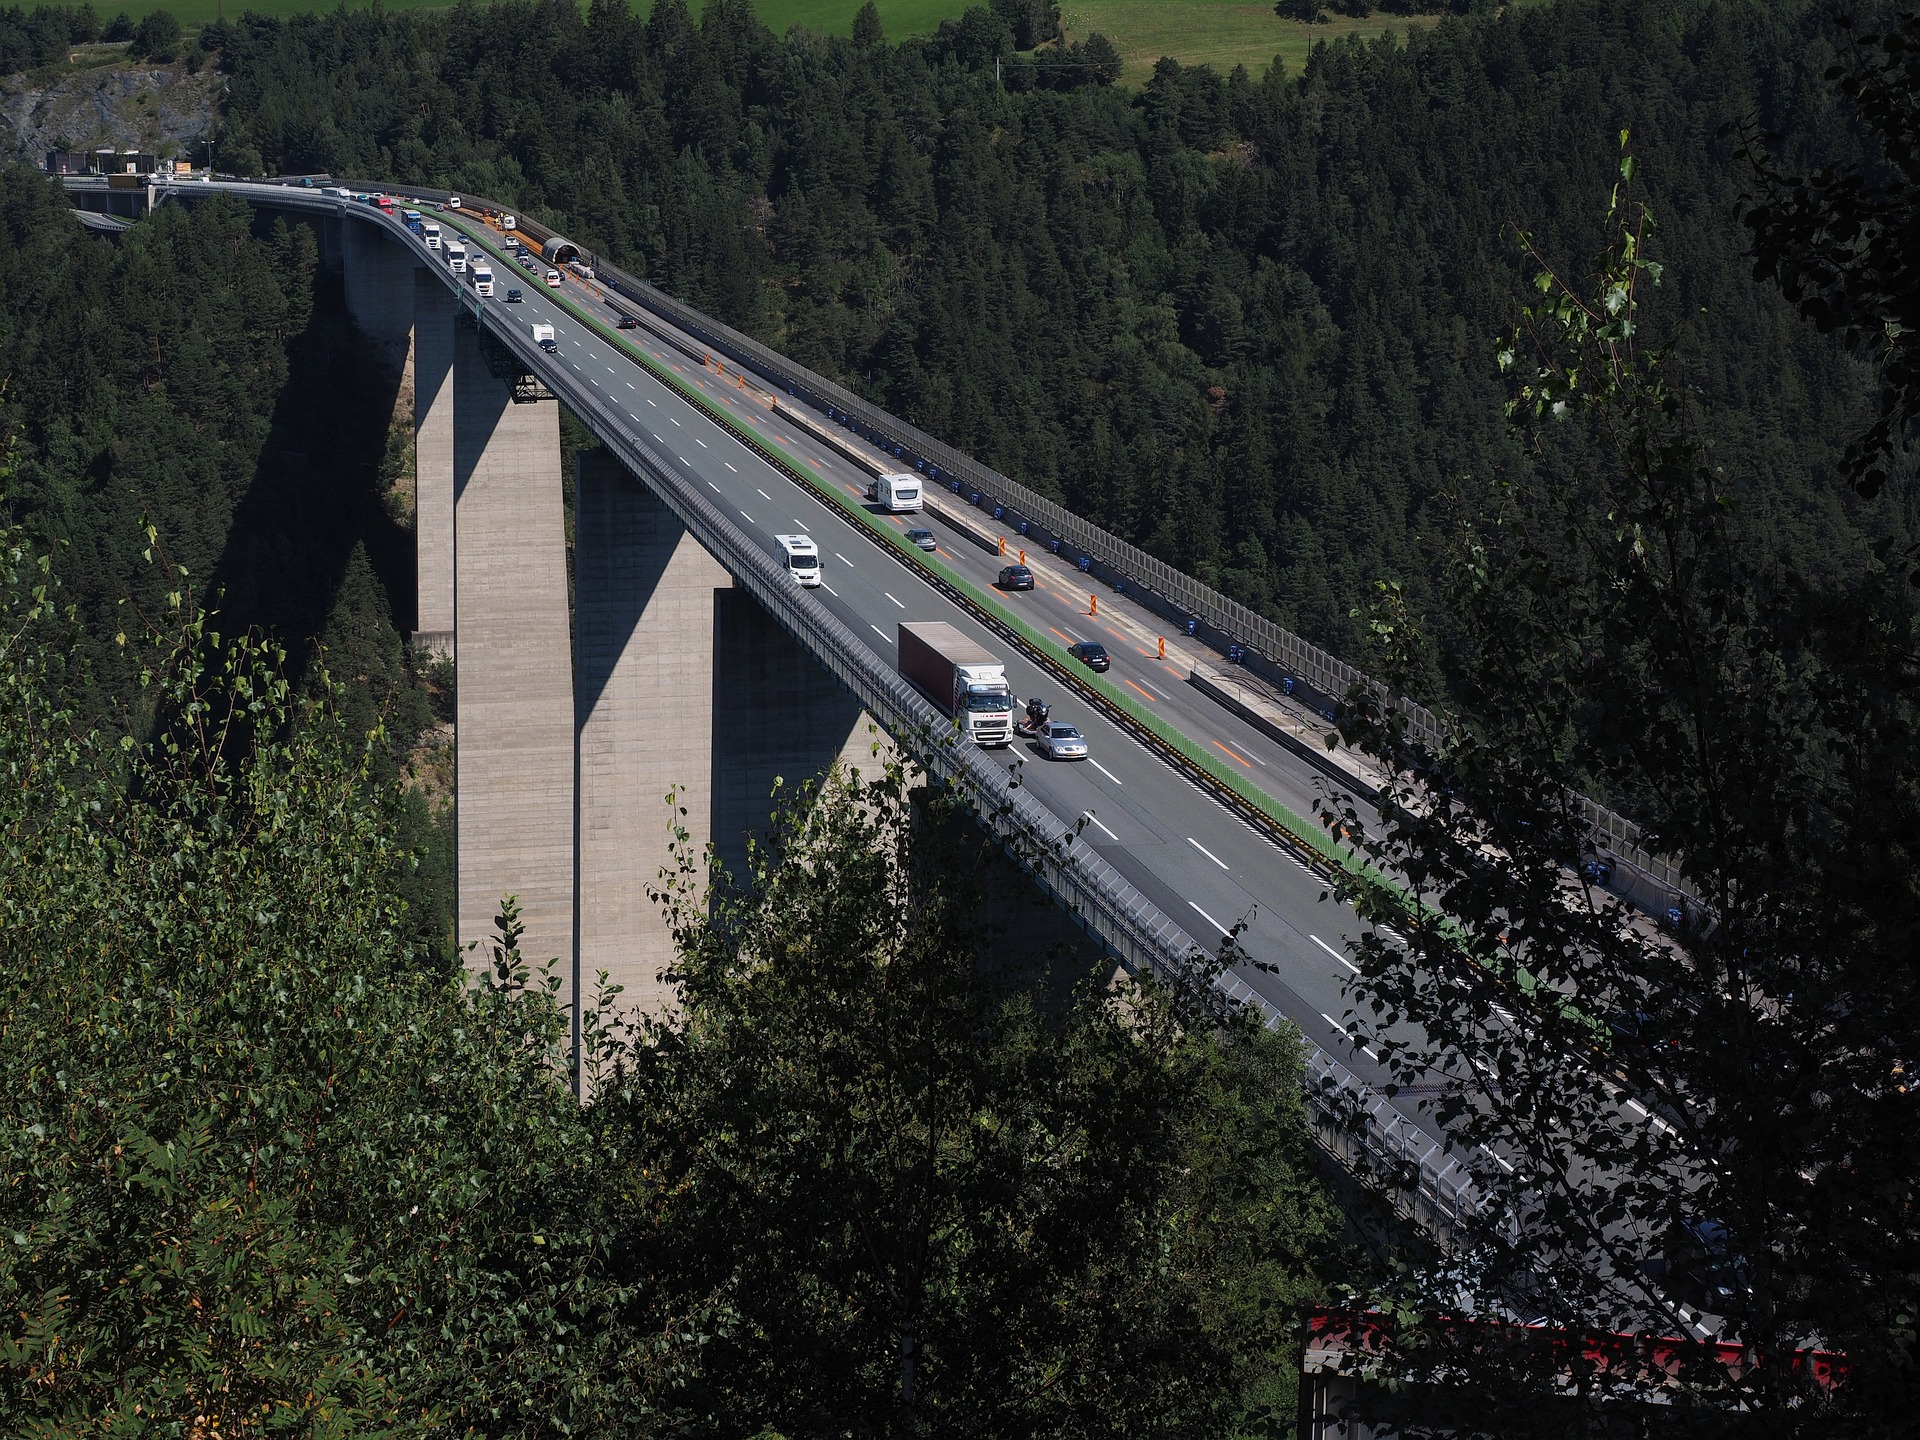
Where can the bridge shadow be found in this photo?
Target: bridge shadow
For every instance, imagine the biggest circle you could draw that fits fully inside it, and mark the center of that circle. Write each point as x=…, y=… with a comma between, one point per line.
x=317, y=493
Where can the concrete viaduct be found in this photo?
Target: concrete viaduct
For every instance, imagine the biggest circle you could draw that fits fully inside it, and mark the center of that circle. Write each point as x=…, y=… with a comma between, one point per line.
x=686, y=659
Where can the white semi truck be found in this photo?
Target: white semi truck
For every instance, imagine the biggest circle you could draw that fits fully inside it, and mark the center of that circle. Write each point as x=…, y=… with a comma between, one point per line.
x=481, y=273
x=457, y=256
x=961, y=678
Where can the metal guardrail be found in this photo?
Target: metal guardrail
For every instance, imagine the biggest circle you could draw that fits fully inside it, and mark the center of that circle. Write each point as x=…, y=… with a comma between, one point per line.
x=1360, y=1129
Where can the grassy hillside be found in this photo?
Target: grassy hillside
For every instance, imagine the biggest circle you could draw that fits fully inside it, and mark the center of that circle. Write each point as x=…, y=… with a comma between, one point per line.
x=1220, y=33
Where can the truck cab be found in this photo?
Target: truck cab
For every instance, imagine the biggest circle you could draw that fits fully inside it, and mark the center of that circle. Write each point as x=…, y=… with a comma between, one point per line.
x=482, y=276
x=457, y=256
x=802, y=557
x=897, y=494
x=430, y=232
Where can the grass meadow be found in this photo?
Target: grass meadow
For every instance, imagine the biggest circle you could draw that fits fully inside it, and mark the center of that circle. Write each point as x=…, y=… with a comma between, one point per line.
x=1220, y=33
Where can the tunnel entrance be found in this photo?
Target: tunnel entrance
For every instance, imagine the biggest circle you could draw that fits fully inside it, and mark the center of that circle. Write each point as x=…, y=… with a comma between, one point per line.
x=560, y=250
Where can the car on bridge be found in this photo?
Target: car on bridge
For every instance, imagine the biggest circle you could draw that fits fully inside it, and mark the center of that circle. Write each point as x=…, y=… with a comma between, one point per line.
x=627, y=322
x=1062, y=741
x=553, y=279
x=1015, y=577
x=923, y=538
x=1092, y=654
x=514, y=297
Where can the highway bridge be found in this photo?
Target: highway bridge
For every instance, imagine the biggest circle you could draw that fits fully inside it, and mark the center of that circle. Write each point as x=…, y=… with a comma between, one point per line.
x=689, y=660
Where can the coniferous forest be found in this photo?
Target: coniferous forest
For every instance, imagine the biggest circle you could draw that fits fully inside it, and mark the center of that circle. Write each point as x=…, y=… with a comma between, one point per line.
x=272, y=1162
x=1246, y=321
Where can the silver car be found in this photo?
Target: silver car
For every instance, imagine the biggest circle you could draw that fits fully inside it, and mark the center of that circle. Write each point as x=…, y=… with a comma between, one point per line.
x=1063, y=742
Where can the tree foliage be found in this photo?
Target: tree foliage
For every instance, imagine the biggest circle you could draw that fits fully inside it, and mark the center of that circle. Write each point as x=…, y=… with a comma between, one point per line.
x=265, y=1166
x=922, y=1196
x=1611, y=1084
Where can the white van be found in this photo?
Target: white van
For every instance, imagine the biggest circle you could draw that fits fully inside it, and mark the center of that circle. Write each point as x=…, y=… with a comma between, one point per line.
x=897, y=494
x=803, y=558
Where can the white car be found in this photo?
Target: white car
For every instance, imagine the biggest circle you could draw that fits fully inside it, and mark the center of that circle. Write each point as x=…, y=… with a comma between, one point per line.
x=1062, y=742
x=553, y=278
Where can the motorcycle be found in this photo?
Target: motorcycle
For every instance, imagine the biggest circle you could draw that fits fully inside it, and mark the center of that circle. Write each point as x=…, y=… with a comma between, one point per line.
x=1036, y=719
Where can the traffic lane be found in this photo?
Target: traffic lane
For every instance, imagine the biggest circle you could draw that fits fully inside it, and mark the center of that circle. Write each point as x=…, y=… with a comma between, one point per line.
x=1306, y=983
x=1160, y=685
x=863, y=595
x=1214, y=880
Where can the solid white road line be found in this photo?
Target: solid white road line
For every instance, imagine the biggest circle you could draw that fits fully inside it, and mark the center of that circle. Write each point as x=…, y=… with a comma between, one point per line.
x=1334, y=953
x=746, y=517
x=1206, y=852
x=1096, y=820
x=1496, y=1159
x=713, y=487
x=1210, y=920
x=877, y=630
x=890, y=597
x=1104, y=771
x=830, y=590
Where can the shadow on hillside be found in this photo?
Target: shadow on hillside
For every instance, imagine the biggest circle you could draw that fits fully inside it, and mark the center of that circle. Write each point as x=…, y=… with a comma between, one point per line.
x=316, y=495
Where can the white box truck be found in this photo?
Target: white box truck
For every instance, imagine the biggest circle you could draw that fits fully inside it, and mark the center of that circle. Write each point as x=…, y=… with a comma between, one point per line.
x=543, y=337
x=960, y=677
x=897, y=494
x=457, y=256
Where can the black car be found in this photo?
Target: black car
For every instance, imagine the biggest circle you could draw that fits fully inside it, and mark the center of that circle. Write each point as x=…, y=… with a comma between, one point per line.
x=627, y=322
x=1091, y=653
x=1016, y=577
x=513, y=297
x=1705, y=1267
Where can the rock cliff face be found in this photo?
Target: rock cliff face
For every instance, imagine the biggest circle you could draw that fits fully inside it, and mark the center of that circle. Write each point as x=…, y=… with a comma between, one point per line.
x=161, y=110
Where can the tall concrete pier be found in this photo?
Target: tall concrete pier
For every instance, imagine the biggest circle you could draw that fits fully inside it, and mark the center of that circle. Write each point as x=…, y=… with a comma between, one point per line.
x=645, y=711
x=514, y=709
x=433, y=311
x=574, y=721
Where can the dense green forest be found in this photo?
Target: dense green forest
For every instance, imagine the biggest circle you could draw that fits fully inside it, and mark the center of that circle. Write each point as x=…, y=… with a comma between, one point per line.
x=200, y=375
x=1245, y=320
x=267, y=1168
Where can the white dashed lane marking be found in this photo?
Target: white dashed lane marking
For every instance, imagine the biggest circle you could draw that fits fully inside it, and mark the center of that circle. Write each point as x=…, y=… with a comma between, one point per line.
x=1209, y=919
x=1334, y=953
x=1206, y=852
